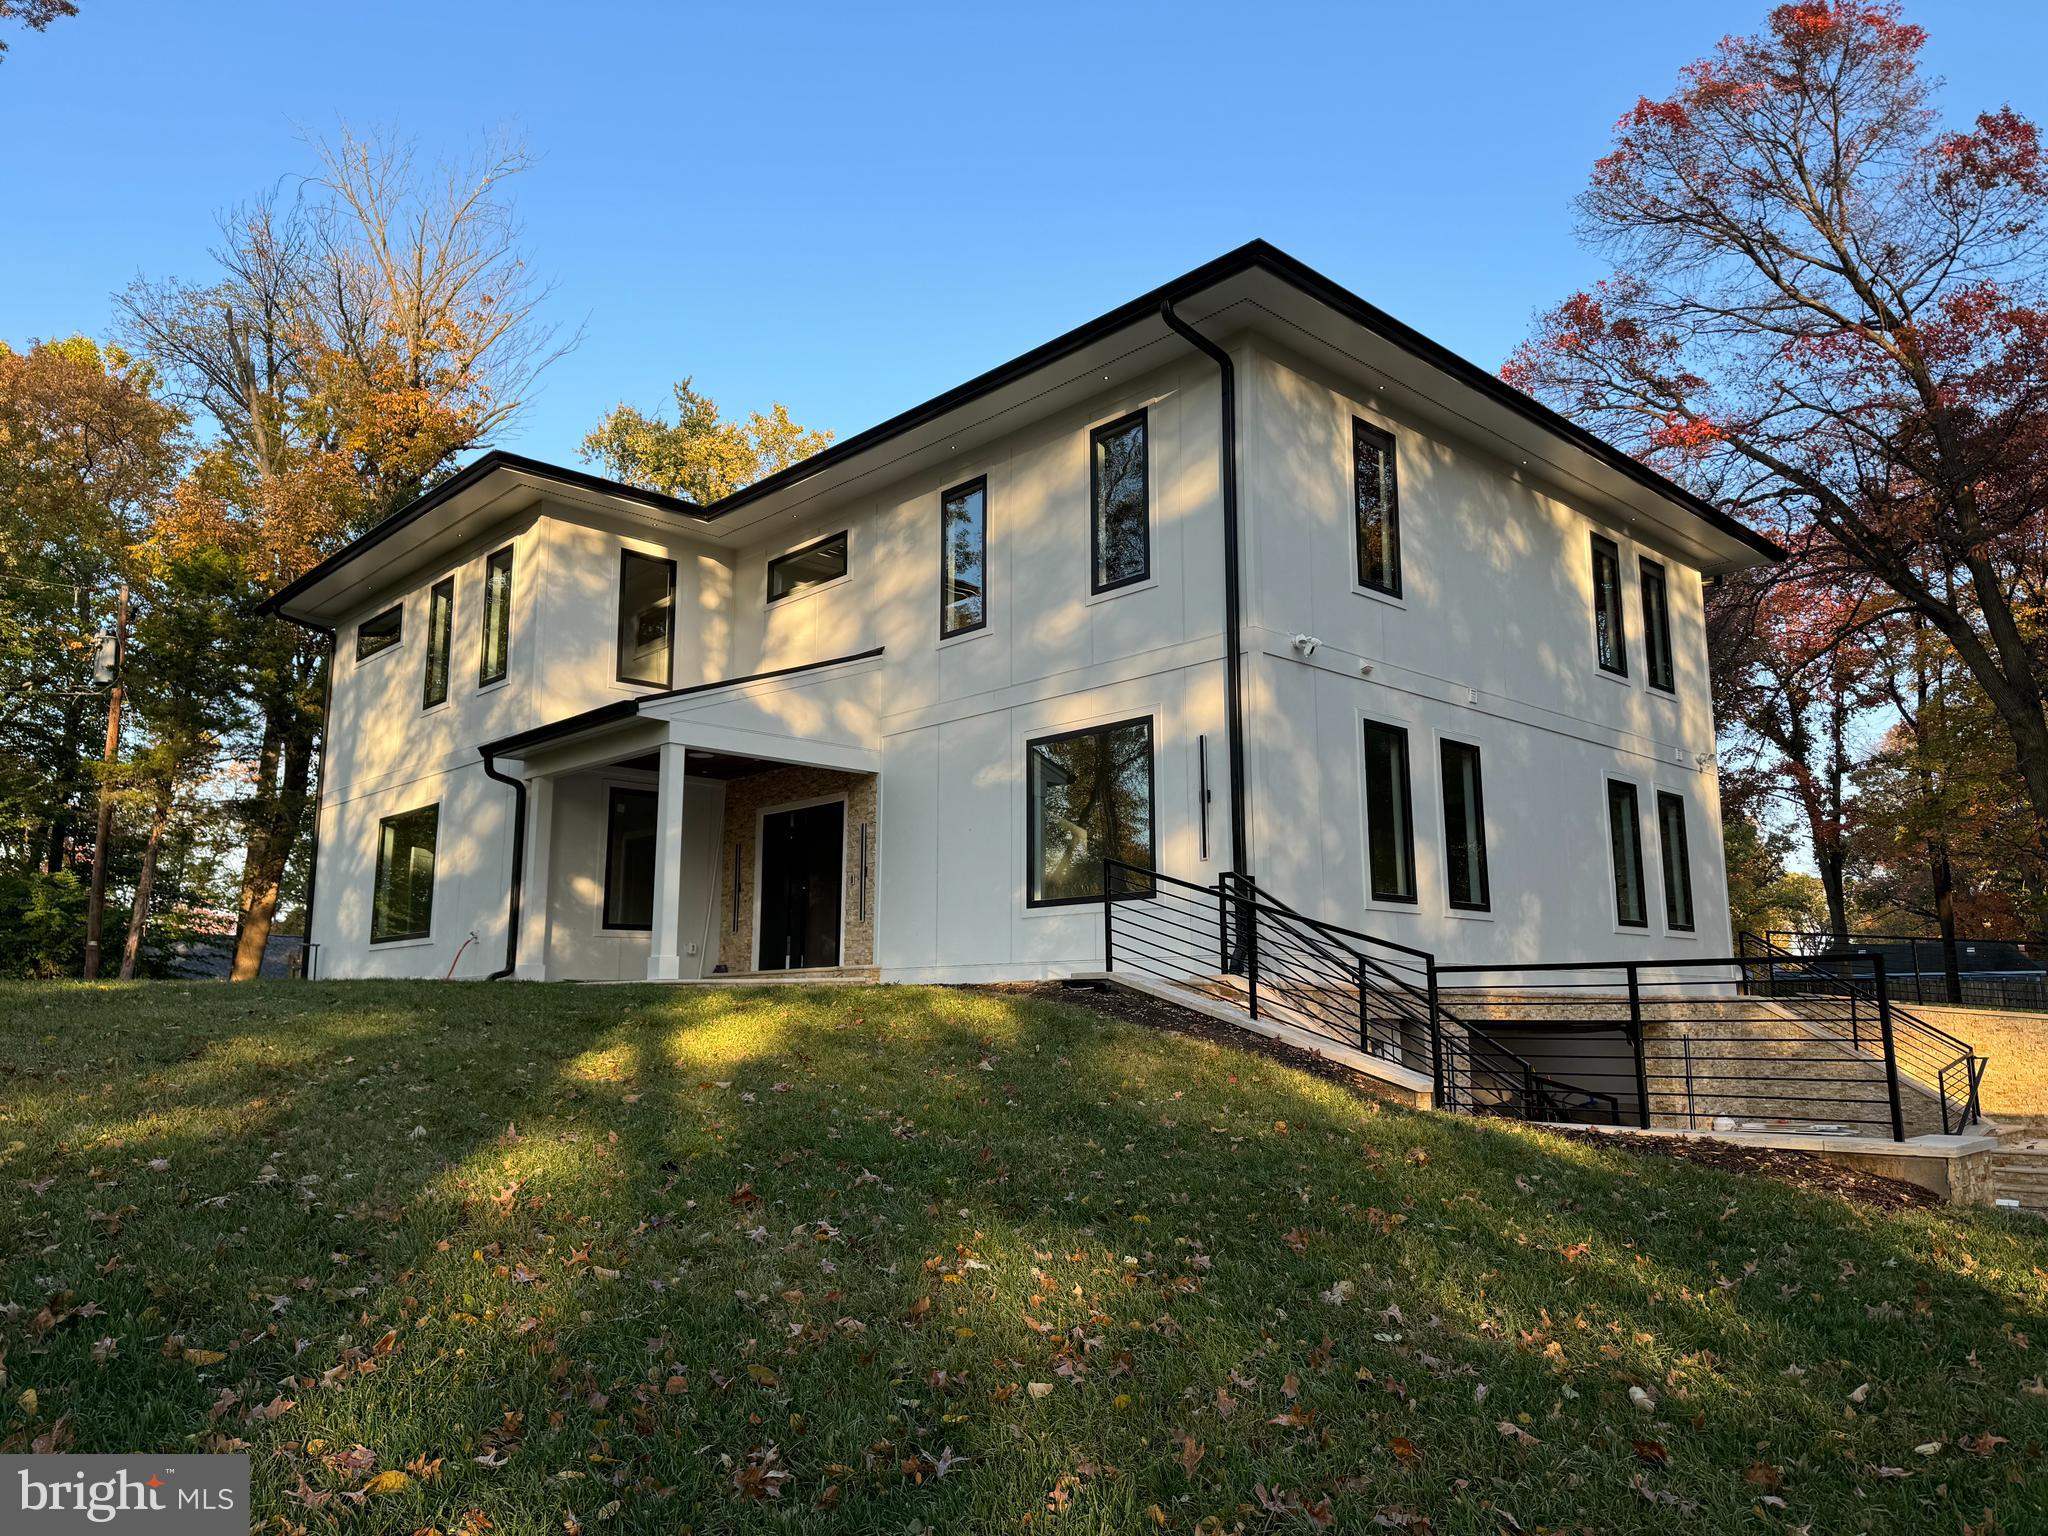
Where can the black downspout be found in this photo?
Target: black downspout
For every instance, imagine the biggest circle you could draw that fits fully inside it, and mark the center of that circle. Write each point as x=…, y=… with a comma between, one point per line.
x=319, y=792
x=518, y=865
x=1233, y=687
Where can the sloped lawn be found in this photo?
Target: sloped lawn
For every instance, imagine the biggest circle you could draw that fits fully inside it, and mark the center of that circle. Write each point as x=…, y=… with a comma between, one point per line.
x=528, y=1259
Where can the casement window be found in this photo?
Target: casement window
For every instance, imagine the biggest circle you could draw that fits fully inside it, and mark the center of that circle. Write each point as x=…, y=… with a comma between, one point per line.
x=380, y=633
x=647, y=616
x=1657, y=666
x=1389, y=814
x=1375, y=509
x=811, y=566
x=1625, y=847
x=1464, y=827
x=402, y=901
x=1671, y=842
x=1120, y=520
x=497, y=647
x=963, y=559
x=1610, y=641
x=440, y=630
x=629, y=847
x=1090, y=799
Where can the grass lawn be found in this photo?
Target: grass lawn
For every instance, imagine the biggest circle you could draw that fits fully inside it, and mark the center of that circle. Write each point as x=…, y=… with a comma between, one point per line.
x=535, y=1259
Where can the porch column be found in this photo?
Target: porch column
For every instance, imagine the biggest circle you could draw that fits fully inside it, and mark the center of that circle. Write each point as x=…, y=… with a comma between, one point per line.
x=664, y=957
x=533, y=897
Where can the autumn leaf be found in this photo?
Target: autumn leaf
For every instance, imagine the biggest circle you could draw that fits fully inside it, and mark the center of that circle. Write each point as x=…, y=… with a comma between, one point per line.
x=391, y=1481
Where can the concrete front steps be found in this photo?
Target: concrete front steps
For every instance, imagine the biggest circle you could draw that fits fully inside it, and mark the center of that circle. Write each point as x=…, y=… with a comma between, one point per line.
x=2020, y=1176
x=820, y=976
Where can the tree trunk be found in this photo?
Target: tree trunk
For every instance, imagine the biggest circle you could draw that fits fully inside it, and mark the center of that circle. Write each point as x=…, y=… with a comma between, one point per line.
x=1941, y=874
x=138, y=917
x=277, y=832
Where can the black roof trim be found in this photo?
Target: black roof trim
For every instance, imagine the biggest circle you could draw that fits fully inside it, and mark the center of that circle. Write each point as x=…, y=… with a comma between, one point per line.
x=756, y=677
x=455, y=485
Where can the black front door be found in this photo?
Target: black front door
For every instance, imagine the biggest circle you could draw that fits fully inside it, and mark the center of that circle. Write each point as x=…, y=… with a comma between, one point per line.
x=800, y=886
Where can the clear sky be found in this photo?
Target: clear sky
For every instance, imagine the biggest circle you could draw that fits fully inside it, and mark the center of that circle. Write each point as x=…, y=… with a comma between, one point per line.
x=853, y=207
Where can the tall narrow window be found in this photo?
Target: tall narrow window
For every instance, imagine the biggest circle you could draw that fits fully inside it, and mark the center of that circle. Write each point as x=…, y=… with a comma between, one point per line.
x=647, y=610
x=963, y=558
x=1671, y=842
x=440, y=629
x=1090, y=800
x=629, y=846
x=1609, y=640
x=497, y=654
x=1120, y=527
x=1464, y=827
x=381, y=632
x=1376, y=506
x=1657, y=665
x=402, y=901
x=811, y=566
x=1625, y=843
x=1389, y=817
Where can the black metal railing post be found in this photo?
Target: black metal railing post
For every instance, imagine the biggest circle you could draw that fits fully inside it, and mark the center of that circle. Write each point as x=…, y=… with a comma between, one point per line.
x=1223, y=924
x=1108, y=923
x=1436, y=1040
x=1364, y=1019
x=1635, y=1029
x=1891, y=1056
x=1248, y=931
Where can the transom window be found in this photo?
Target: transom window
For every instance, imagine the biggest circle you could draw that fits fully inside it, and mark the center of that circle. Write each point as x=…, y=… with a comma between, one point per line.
x=647, y=606
x=1120, y=528
x=1625, y=846
x=1375, y=508
x=1389, y=815
x=811, y=566
x=629, y=847
x=402, y=901
x=1657, y=665
x=963, y=558
x=1677, y=853
x=1610, y=641
x=1090, y=799
x=1464, y=827
x=497, y=647
x=440, y=630
x=380, y=633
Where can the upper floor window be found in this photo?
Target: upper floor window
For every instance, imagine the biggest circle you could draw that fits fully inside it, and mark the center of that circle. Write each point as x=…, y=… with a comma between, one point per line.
x=1625, y=843
x=1120, y=523
x=1389, y=815
x=497, y=651
x=1090, y=800
x=963, y=558
x=1609, y=639
x=647, y=609
x=1464, y=827
x=1671, y=842
x=381, y=632
x=1376, y=508
x=811, y=566
x=1657, y=666
x=402, y=901
x=629, y=848
x=440, y=628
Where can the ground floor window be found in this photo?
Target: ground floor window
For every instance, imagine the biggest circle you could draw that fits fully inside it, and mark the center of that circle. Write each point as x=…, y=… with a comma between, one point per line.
x=1090, y=800
x=1464, y=827
x=1389, y=815
x=1625, y=838
x=402, y=905
x=629, y=848
x=1671, y=842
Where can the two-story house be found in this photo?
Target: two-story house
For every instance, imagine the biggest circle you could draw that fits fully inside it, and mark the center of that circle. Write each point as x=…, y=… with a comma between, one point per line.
x=1244, y=574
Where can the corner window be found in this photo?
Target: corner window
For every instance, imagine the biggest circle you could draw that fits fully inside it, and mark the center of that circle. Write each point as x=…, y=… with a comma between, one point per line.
x=811, y=566
x=1671, y=842
x=402, y=901
x=1389, y=817
x=1625, y=845
x=1464, y=827
x=1120, y=524
x=497, y=651
x=647, y=611
x=440, y=628
x=380, y=633
x=963, y=558
x=1657, y=666
x=1090, y=799
x=629, y=845
x=1609, y=640
x=1375, y=508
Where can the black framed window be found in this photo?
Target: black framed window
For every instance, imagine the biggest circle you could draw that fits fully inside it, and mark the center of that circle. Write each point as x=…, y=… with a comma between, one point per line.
x=381, y=632
x=440, y=630
x=811, y=566
x=963, y=558
x=629, y=849
x=1625, y=846
x=1677, y=852
x=647, y=618
x=1120, y=521
x=1389, y=813
x=1464, y=827
x=497, y=647
x=402, y=901
x=1657, y=666
x=1091, y=799
x=1376, y=508
x=1610, y=638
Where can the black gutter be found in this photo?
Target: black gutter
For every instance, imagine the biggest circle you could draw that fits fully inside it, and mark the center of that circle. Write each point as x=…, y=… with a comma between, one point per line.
x=518, y=880
x=1233, y=683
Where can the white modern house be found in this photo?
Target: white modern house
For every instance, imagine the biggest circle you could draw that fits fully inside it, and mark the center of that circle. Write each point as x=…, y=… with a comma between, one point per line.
x=1242, y=575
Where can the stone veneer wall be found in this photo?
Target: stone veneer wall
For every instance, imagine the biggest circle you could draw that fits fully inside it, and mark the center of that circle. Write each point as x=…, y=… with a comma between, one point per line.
x=745, y=800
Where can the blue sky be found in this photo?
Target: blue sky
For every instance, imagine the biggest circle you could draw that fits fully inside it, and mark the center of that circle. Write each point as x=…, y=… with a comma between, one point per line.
x=851, y=208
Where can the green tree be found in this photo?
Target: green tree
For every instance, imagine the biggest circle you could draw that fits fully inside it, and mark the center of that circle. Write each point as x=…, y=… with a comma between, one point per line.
x=699, y=455
x=33, y=14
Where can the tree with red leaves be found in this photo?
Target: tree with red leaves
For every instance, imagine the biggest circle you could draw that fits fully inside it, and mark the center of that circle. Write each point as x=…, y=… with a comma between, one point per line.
x=1827, y=312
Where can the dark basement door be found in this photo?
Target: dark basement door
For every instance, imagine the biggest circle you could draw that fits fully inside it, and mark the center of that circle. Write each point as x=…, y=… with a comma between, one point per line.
x=801, y=867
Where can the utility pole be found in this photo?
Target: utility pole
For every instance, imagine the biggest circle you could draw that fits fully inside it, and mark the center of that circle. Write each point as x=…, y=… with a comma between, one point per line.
x=95, y=910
